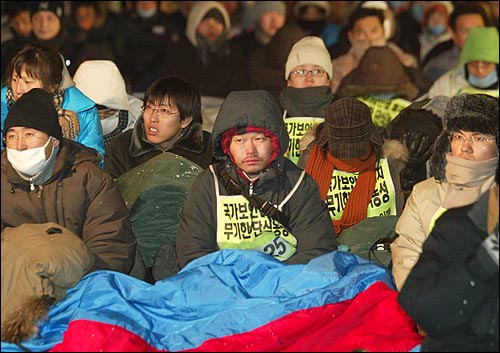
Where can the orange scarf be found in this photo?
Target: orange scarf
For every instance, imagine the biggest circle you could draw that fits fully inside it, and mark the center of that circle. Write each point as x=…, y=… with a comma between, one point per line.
x=321, y=169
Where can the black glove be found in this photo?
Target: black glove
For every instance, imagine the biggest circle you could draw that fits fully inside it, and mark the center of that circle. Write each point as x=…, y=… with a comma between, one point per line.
x=419, y=146
x=420, y=149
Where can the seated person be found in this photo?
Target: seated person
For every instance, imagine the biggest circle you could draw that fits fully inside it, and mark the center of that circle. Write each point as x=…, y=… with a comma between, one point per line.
x=452, y=291
x=308, y=71
x=260, y=23
x=435, y=28
x=39, y=66
x=417, y=127
x=365, y=30
x=314, y=18
x=381, y=82
x=444, y=56
x=463, y=167
x=171, y=122
x=357, y=178
x=52, y=179
x=250, y=139
x=101, y=81
x=168, y=145
x=205, y=55
x=477, y=71
x=267, y=64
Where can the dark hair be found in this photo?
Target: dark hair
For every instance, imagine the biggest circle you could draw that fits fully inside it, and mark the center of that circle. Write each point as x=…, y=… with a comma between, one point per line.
x=40, y=61
x=13, y=8
x=175, y=90
x=362, y=12
x=466, y=9
x=99, y=9
x=305, y=7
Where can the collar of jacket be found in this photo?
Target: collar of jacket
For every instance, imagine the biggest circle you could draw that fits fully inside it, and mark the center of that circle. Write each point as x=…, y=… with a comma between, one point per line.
x=191, y=140
x=272, y=174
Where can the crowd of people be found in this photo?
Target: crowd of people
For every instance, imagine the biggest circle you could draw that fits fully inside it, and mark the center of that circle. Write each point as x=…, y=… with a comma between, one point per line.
x=329, y=114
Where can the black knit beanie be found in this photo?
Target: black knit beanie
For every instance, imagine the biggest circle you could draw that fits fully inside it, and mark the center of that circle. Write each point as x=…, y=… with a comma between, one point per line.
x=35, y=110
x=57, y=7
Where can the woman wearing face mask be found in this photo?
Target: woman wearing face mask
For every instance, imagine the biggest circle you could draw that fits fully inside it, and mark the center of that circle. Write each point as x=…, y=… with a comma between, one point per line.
x=477, y=70
x=435, y=27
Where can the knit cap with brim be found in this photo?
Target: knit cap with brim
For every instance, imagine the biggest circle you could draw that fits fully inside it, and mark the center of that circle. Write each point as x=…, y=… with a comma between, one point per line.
x=56, y=7
x=309, y=50
x=34, y=110
x=252, y=14
x=379, y=71
x=481, y=45
x=349, y=129
x=324, y=5
x=467, y=112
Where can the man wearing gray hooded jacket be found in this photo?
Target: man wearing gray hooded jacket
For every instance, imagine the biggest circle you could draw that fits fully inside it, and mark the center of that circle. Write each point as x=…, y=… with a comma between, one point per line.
x=253, y=198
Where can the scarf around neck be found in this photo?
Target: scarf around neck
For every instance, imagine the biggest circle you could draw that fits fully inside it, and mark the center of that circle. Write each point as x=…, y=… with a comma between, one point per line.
x=468, y=180
x=306, y=102
x=321, y=168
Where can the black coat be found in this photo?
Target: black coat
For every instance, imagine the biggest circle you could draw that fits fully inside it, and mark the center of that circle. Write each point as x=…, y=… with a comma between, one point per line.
x=225, y=72
x=452, y=292
x=131, y=148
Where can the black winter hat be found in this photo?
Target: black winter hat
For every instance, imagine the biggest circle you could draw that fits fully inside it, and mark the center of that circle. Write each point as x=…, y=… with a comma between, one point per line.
x=57, y=7
x=35, y=110
x=467, y=112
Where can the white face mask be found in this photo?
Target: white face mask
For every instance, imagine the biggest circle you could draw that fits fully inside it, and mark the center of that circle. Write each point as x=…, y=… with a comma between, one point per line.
x=110, y=123
x=29, y=162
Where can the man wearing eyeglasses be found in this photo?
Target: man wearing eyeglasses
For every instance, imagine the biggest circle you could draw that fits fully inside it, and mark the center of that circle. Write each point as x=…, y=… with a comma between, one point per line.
x=171, y=122
x=48, y=178
x=463, y=166
x=154, y=162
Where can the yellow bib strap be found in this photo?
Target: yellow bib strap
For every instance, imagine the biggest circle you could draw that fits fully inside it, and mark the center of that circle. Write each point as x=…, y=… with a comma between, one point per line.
x=382, y=203
x=296, y=128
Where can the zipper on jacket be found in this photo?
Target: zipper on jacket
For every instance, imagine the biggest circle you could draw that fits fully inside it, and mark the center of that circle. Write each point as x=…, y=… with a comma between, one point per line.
x=250, y=190
x=32, y=184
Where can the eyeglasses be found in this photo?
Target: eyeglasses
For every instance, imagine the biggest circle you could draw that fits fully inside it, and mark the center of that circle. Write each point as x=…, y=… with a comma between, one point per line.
x=476, y=139
x=162, y=112
x=303, y=73
x=29, y=138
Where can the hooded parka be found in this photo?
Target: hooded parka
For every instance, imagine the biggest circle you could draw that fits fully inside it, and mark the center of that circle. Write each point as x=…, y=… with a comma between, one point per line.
x=309, y=219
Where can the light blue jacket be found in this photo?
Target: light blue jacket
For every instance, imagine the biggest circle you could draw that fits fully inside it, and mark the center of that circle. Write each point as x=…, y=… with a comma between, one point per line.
x=86, y=111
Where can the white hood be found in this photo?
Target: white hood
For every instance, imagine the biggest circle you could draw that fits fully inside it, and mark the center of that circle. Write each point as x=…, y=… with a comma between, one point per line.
x=198, y=11
x=101, y=81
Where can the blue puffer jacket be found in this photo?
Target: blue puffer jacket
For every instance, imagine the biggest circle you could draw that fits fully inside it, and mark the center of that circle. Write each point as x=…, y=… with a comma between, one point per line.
x=88, y=117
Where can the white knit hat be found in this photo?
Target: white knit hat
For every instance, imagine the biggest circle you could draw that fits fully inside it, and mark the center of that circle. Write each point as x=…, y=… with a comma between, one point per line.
x=309, y=50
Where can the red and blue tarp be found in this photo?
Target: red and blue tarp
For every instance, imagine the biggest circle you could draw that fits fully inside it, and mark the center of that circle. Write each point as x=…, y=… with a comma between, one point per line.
x=233, y=300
